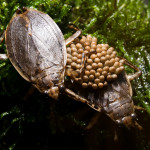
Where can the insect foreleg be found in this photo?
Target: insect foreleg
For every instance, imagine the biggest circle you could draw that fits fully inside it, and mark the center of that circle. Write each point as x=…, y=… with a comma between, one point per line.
x=84, y=60
x=3, y=56
x=136, y=74
x=74, y=36
x=2, y=37
x=73, y=95
x=139, y=108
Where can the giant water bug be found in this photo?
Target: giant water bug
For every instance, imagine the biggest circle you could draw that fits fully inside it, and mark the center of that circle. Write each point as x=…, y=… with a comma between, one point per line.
x=37, y=49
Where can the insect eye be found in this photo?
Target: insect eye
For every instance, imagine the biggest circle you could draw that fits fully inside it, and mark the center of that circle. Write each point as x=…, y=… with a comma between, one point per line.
x=24, y=9
x=119, y=122
x=61, y=88
x=133, y=115
x=18, y=11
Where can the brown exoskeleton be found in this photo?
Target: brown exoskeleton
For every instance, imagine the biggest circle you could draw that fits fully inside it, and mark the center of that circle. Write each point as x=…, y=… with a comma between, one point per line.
x=114, y=98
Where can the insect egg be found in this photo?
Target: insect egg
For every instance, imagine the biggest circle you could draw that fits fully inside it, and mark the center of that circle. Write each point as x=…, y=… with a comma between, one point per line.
x=103, y=53
x=90, y=61
x=90, y=84
x=104, y=48
x=104, y=73
x=99, y=70
x=114, y=52
x=80, y=50
x=74, y=54
x=78, y=45
x=97, y=74
x=112, y=56
x=79, y=56
x=87, y=48
x=92, y=72
x=74, y=59
x=116, y=64
x=111, y=69
x=99, y=45
x=73, y=64
x=91, y=77
x=109, y=78
x=79, y=61
x=69, y=56
x=107, y=57
x=118, y=70
x=88, y=67
x=100, y=85
x=106, y=45
x=86, y=43
x=96, y=60
x=72, y=45
x=89, y=40
x=84, y=85
x=94, y=65
x=106, y=68
x=117, y=59
x=94, y=86
x=99, y=55
x=82, y=41
x=89, y=36
x=87, y=72
x=93, y=46
x=112, y=61
x=103, y=59
x=85, y=78
x=121, y=68
x=78, y=66
x=114, y=76
x=93, y=56
x=94, y=39
x=102, y=78
x=97, y=81
x=122, y=61
x=69, y=50
x=69, y=61
x=107, y=63
x=109, y=51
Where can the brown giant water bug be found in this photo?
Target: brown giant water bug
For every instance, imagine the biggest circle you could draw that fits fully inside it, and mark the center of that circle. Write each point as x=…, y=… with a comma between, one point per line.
x=37, y=49
x=102, y=81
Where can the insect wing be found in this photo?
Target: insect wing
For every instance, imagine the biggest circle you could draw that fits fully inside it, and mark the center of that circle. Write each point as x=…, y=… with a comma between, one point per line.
x=35, y=44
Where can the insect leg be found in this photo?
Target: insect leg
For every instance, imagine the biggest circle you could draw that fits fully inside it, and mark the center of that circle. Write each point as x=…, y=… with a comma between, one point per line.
x=76, y=97
x=74, y=36
x=84, y=60
x=3, y=56
x=93, y=121
x=136, y=74
x=2, y=37
x=139, y=108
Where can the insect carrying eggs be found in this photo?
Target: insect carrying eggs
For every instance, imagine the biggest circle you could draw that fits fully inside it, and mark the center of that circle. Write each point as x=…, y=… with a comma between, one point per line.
x=95, y=64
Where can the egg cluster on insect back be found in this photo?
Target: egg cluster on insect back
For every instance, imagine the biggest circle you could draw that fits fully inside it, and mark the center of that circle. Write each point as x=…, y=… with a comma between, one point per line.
x=91, y=64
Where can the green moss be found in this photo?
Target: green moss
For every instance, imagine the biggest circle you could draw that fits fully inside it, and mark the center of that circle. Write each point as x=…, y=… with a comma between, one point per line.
x=125, y=25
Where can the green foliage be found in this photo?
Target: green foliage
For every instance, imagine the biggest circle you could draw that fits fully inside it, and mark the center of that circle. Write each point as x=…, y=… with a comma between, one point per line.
x=125, y=25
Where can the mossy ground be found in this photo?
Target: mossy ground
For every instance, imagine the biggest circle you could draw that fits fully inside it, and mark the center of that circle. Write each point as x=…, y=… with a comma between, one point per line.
x=38, y=122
